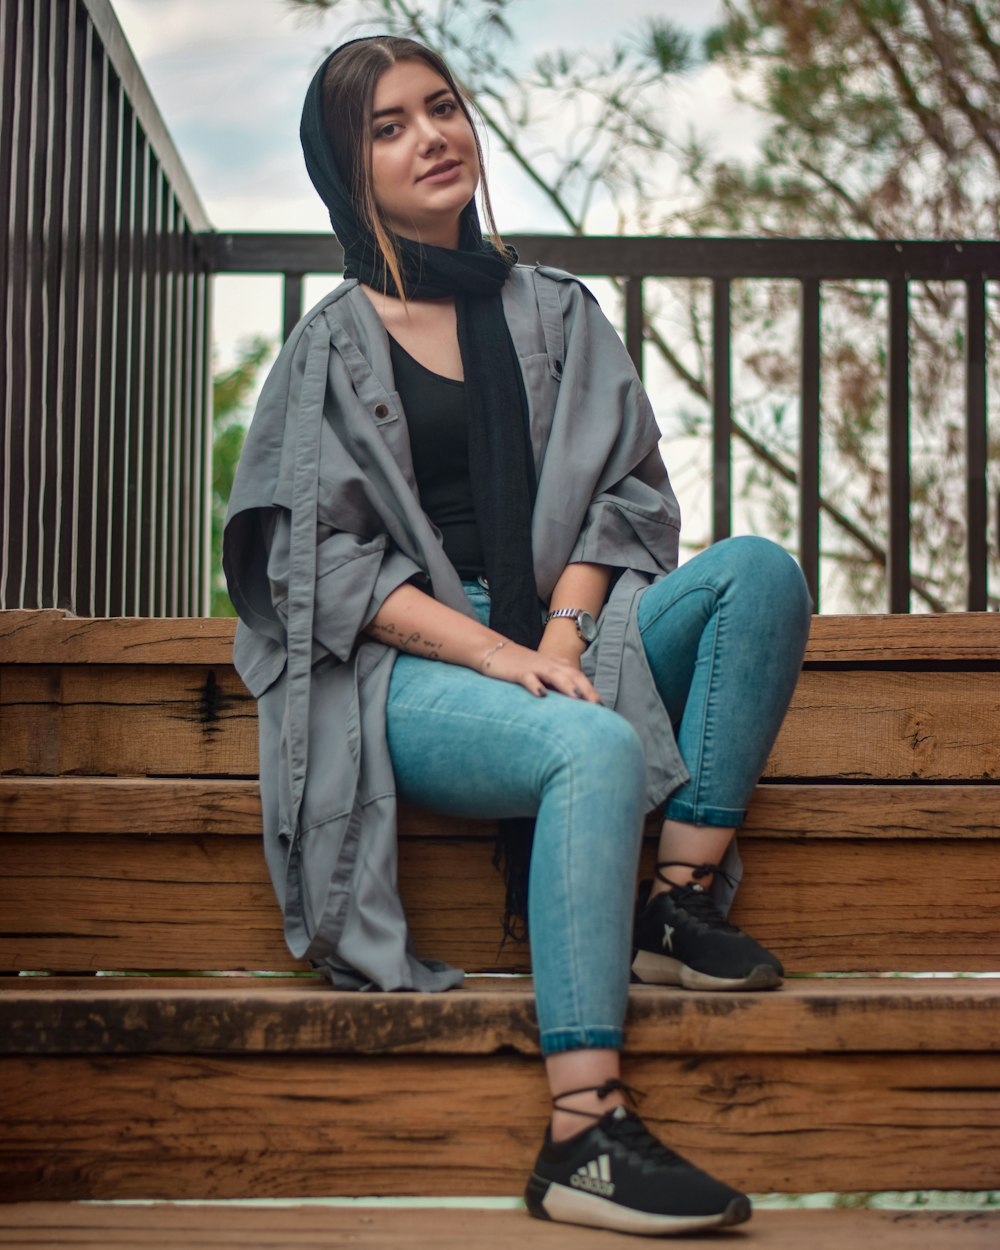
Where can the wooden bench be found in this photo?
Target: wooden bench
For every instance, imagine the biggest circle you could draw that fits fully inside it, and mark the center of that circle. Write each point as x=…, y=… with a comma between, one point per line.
x=129, y=824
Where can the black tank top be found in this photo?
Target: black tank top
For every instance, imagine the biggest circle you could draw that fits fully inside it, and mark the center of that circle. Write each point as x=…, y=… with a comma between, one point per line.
x=438, y=423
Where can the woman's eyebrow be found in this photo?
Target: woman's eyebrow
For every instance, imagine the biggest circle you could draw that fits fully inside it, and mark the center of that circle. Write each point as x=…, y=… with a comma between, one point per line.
x=428, y=99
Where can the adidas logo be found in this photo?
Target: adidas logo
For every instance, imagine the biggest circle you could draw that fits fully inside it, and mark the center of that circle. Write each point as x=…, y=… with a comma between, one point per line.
x=595, y=1177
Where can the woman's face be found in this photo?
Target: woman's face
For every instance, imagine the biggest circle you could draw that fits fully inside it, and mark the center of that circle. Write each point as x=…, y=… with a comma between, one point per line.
x=424, y=163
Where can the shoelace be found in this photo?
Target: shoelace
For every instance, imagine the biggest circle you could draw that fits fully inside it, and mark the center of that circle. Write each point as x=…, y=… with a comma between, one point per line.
x=693, y=896
x=632, y=1095
x=633, y=1134
x=629, y=1130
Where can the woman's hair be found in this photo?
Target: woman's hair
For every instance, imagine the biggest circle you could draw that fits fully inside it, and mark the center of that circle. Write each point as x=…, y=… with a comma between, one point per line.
x=348, y=95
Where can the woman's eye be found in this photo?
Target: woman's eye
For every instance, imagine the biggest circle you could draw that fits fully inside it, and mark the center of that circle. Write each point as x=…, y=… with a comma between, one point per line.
x=445, y=107
x=387, y=131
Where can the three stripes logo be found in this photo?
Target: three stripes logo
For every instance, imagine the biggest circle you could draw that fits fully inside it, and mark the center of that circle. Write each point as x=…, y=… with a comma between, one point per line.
x=595, y=1177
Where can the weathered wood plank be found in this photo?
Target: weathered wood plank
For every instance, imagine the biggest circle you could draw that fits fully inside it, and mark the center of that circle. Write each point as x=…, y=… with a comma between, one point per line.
x=52, y=636
x=242, y=1016
x=919, y=726
x=113, y=805
x=165, y=1227
x=155, y=1126
x=78, y=902
x=182, y=720
x=126, y=720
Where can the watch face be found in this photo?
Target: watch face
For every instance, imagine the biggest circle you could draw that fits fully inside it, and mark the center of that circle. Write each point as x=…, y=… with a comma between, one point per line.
x=587, y=626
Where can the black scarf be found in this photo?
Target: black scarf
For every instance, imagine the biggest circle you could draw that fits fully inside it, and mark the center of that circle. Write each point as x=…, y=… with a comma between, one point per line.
x=500, y=456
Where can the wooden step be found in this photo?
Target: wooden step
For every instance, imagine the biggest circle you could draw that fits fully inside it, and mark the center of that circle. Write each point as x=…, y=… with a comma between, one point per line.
x=161, y=1226
x=201, y=1090
x=130, y=697
x=165, y=873
x=53, y=636
x=186, y=720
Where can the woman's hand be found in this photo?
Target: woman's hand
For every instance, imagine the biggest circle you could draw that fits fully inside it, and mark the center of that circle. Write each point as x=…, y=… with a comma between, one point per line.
x=561, y=641
x=537, y=671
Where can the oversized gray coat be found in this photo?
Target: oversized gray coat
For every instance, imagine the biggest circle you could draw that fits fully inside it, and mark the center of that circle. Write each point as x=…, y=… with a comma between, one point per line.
x=325, y=521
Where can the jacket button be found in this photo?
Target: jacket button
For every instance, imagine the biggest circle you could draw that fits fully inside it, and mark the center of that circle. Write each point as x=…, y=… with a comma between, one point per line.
x=381, y=410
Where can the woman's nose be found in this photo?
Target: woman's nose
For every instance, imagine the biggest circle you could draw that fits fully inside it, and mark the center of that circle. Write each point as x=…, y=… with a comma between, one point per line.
x=430, y=135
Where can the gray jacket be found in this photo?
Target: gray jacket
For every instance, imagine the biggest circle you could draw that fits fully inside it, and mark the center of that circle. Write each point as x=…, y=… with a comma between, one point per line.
x=325, y=521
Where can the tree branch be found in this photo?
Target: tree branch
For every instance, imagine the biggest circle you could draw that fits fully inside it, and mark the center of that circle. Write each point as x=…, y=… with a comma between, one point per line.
x=981, y=33
x=930, y=122
x=981, y=124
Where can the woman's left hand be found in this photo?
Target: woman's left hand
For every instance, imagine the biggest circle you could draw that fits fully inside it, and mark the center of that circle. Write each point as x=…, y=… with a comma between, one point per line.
x=566, y=645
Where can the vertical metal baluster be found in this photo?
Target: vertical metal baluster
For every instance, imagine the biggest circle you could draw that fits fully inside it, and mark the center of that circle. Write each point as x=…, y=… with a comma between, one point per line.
x=722, y=411
x=202, y=602
x=634, y=321
x=976, y=442
x=899, y=446
x=10, y=72
x=36, y=402
x=809, y=418
x=291, y=303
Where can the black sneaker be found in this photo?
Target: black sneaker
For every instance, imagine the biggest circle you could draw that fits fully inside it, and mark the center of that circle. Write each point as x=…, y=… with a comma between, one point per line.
x=617, y=1175
x=681, y=938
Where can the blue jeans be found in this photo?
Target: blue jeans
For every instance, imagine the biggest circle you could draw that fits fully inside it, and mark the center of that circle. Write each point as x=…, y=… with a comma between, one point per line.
x=724, y=634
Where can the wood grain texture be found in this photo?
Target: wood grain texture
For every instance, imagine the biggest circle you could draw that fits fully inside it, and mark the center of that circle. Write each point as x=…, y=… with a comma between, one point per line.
x=126, y=720
x=55, y=1226
x=241, y=1016
x=907, y=726
x=155, y=1126
x=161, y=805
x=52, y=636
x=188, y=721
x=73, y=903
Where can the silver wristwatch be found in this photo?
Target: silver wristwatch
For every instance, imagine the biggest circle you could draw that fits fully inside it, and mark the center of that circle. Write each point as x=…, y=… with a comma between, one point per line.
x=586, y=626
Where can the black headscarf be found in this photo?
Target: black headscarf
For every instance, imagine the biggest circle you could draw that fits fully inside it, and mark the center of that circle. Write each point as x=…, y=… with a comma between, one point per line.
x=500, y=456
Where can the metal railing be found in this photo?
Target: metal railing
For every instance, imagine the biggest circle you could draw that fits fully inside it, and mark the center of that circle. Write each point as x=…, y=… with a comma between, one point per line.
x=104, y=353
x=105, y=265
x=810, y=262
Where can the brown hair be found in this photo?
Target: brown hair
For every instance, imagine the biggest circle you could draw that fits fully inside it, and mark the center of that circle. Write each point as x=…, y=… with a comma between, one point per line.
x=348, y=95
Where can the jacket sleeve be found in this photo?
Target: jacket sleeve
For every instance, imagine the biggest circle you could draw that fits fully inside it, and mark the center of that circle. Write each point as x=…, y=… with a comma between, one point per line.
x=633, y=522
x=354, y=576
x=605, y=435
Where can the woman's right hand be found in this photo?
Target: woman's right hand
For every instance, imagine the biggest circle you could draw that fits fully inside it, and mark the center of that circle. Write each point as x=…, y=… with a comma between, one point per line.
x=536, y=672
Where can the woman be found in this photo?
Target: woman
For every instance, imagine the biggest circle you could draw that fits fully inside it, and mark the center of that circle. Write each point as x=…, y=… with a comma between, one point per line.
x=517, y=524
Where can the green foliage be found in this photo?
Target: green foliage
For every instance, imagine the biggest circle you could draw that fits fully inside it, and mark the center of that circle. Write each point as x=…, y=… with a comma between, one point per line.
x=881, y=119
x=668, y=47
x=231, y=391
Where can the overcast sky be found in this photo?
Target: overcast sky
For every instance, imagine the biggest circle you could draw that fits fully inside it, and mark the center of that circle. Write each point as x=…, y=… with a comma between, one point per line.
x=229, y=77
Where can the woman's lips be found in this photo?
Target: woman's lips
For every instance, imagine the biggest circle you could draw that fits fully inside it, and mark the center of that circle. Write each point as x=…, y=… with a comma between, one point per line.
x=441, y=173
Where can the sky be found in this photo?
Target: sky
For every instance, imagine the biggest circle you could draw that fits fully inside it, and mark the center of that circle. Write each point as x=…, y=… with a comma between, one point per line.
x=229, y=77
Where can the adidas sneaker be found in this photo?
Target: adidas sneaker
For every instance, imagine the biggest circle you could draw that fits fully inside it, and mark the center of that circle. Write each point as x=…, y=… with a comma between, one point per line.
x=681, y=938
x=617, y=1175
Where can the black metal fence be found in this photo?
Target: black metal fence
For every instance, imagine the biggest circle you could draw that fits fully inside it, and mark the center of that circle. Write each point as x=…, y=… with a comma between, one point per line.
x=810, y=262
x=104, y=336
x=104, y=332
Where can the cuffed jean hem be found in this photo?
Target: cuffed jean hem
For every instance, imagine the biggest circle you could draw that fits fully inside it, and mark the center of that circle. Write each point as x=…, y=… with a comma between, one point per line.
x=556, y=1041
x=701, y=814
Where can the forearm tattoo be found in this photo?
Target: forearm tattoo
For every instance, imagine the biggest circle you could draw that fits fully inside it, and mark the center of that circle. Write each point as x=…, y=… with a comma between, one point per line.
x=414, y=643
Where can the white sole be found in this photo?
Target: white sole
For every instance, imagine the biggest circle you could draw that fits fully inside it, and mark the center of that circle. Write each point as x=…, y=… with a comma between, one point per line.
x=570, y=1206
x=653, y=969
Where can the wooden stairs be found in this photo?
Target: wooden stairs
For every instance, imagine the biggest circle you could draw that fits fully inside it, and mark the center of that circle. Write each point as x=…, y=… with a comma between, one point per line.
x=129, y=825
